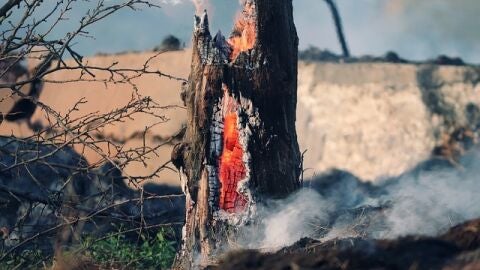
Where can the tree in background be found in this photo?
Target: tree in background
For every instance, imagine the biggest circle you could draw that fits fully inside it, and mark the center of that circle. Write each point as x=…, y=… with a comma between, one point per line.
x=339, y=27
x=169, y=43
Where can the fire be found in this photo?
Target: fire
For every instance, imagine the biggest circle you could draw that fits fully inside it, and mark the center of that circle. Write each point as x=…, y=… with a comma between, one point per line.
x=244, y=35
x=232, y=168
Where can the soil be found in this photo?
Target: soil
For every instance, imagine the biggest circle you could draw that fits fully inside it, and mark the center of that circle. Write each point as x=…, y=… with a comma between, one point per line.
x=459, y=248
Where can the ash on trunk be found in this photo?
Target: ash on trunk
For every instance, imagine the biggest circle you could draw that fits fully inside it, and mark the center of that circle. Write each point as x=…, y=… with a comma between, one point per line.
x=241, y=145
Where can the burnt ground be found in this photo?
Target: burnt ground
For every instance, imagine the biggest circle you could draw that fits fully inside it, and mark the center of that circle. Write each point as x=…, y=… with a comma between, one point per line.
x=456, y=248
x=459, y=248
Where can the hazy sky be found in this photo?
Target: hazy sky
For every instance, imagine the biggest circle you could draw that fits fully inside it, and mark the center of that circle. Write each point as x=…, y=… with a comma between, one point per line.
x=416, y=29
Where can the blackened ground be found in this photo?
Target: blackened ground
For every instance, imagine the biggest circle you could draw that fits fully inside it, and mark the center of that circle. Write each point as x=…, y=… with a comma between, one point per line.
x=459, y=248
x=357, y=203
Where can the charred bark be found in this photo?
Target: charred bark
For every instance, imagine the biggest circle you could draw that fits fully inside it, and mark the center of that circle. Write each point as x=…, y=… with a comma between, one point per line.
x=240, y=145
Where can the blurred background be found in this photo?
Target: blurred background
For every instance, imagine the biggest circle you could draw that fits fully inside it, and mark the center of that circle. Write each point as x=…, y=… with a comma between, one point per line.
x=415, y=29
x=373, y=103
x=399, y=118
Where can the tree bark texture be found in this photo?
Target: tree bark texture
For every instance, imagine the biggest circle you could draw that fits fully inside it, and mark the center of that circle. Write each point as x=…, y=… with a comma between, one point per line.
x=240, y=146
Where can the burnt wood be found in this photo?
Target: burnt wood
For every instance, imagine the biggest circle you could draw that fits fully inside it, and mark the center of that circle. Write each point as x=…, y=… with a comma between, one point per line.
x=259, y=87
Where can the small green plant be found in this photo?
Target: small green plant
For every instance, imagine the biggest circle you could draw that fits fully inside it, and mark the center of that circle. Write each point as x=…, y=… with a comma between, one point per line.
x=116, y=251
x=27, y=259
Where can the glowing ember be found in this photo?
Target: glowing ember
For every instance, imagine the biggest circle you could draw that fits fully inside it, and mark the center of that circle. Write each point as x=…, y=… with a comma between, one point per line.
x=232, y=168
x=244, y=35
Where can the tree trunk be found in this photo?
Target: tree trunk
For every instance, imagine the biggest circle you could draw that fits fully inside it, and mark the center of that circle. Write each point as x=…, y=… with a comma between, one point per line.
x=241, y=144
x=339, y=27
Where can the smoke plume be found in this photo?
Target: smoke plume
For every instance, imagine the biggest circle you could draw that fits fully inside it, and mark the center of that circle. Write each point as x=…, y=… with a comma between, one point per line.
x=443, y=26
x=425, y=201
x=200, y=5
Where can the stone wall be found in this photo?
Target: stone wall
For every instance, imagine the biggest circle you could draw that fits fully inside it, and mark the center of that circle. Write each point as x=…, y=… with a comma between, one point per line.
x=377, y=119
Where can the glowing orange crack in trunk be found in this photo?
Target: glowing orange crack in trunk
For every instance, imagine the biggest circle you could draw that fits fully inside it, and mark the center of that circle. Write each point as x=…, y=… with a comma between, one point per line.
x=244, y=35
x=232, y=168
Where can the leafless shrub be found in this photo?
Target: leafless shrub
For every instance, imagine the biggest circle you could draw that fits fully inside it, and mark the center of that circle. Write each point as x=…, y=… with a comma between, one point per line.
x=45, y=183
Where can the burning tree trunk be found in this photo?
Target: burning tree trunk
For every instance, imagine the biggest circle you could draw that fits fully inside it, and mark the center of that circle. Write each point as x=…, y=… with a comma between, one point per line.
x=241, y=144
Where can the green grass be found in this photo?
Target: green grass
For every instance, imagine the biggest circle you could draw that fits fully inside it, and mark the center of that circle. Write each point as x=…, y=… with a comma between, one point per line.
x=115, y=251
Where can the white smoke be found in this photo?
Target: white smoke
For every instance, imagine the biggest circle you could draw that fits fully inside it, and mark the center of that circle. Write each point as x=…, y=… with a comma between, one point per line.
x=171, y=2
x=200, y=5
x=434, y=201
x=422, y=202
x=288, y=222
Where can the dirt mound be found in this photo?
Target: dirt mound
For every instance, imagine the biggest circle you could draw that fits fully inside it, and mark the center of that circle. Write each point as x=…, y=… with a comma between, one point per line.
x=103, y=98
x=459, y=248
x=465, y=236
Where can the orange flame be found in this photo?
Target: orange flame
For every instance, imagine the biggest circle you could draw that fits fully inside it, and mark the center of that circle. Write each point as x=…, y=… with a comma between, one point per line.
x=232, y=168
x=244, y=35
